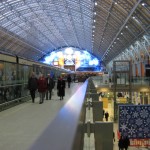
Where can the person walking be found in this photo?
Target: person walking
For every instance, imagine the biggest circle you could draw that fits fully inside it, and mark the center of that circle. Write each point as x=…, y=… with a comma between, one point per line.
x=113, y=136
x=50, y=86
x=121, y=143
x=103, y=113
x=126, y=143
x=106, y=115
x=69, y=80
x=42, y=87
x=61, y=87
x=32, y=85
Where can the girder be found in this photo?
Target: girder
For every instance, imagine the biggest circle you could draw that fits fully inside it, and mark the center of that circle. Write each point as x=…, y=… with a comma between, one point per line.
x=136, y=52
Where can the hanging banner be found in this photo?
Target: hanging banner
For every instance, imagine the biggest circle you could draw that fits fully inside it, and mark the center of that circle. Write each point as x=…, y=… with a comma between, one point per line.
x=134, y=122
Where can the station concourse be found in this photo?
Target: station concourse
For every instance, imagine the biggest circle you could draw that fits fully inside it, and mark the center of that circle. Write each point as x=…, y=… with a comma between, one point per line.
x=103, y=44
x=21, y=125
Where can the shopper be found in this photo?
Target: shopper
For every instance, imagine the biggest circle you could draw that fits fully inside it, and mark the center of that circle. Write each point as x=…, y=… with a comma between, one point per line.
x=50, y=86
x=106, y=115
x=126, y=143
x=61, y=87
x=32, y=85
x=121, y=143
x=42, y=87
x=103, y=113
x=113, y=136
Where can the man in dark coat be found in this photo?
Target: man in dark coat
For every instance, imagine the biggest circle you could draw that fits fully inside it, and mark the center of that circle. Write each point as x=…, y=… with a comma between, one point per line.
x=50, y=86
x=126, y=142
x=106, y=116
x=61, y=87
x=32, y=85
x=121, y=143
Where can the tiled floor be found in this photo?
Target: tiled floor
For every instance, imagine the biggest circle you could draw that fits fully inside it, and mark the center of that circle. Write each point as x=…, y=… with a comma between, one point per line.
x=21, y=125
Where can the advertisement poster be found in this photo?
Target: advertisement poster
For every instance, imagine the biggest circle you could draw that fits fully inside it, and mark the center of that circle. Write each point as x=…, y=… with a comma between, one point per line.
x=134, y=122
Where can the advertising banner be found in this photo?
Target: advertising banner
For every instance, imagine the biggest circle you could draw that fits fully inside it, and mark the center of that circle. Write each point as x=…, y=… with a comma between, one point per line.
x=140, y=142
x=134, y=122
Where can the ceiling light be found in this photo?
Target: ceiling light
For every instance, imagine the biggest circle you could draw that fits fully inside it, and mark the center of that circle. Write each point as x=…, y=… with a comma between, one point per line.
x=94, y=20
x=117, y=38
x=95, y=3
x=121, y=33
x=126, y=26
x=115, y=2
x=94, y=13
x=133, y=17
x=143, y=4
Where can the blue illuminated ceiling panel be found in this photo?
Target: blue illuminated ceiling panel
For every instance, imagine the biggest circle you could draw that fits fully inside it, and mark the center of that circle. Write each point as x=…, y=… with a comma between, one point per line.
x=81, y=59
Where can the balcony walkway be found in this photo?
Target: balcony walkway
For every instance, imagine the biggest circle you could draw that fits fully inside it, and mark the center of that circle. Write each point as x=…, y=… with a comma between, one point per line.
x=21, y=125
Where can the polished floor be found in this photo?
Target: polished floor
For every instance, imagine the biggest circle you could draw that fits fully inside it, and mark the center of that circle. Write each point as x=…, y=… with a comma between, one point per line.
x=21, y=125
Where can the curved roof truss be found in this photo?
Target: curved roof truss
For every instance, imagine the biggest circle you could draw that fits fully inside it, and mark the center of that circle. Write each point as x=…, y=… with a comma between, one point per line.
x=33, y=28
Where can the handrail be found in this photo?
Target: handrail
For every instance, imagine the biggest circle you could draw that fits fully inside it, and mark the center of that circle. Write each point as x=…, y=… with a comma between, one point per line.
x=143, y=81
x=3, y=104
x=10, y=85
x=60, y=133
x=11, y=93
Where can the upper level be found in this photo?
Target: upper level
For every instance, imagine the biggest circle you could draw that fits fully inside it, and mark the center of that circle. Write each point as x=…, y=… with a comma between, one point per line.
x=138, y=84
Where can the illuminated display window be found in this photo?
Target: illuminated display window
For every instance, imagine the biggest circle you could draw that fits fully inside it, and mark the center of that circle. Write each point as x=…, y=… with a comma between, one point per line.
x=55, y=63
x=81, y=59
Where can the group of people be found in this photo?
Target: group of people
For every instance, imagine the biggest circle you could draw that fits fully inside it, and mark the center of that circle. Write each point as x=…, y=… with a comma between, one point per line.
x=45, y=86
x=123, y=143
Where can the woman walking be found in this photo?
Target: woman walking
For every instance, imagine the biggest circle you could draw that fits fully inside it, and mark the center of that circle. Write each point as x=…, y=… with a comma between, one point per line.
x=42, y=87
x=61, y=87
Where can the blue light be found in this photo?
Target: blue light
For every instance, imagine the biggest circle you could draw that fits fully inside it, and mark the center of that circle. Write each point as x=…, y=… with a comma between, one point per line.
x=69, y=51
x=71, y=56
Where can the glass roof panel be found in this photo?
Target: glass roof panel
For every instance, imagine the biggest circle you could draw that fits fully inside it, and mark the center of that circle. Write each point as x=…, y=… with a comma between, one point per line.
x=49, y=24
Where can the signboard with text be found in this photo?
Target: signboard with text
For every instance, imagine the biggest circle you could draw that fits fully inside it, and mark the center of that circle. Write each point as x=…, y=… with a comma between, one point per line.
x=140, y=142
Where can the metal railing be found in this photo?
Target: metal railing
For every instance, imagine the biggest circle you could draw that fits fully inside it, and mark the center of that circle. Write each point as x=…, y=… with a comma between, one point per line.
x=12, y=93
x=141, y=81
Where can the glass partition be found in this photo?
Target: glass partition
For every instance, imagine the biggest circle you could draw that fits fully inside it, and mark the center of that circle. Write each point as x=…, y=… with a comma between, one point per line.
x=13, y=81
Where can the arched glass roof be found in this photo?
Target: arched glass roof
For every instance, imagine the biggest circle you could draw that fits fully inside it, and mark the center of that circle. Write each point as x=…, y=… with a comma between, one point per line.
x=33, y=28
